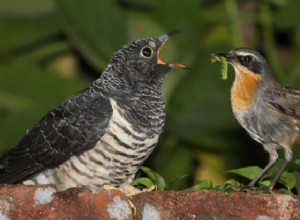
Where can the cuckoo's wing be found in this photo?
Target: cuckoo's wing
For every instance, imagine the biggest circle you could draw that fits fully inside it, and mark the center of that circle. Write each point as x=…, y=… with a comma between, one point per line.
x=285, y=100
x=70, y=129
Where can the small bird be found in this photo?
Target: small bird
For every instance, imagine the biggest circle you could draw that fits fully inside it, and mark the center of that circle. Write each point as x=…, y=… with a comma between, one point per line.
x=101, y=135
x=268, y=111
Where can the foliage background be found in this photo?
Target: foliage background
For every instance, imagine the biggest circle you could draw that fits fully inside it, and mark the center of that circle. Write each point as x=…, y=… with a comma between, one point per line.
x=51, y=49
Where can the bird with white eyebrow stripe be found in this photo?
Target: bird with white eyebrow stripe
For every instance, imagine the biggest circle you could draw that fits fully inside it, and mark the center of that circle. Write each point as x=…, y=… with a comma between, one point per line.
x=268, y=111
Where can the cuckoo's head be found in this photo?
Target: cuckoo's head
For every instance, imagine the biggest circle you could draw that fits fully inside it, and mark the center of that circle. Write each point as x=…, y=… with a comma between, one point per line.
x=140, y=59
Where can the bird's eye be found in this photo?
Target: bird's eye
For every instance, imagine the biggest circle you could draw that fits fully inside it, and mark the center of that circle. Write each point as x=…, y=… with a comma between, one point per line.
x=147, y=52
x=246, y=59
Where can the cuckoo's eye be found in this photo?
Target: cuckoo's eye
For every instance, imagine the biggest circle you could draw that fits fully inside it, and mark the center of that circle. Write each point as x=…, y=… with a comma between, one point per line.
x=147, y=52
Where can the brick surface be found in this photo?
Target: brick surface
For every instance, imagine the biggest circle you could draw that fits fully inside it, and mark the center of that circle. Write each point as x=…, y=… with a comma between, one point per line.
x=43, y=202
x=216, y=205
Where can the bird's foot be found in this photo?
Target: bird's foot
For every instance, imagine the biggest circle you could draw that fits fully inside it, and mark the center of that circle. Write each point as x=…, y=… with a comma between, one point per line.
x=110, y=187
x=269, y=189
x=248, y=188
x=130, y=190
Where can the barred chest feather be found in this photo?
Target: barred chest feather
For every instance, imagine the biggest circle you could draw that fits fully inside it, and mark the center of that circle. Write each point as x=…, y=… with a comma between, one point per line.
x=116, y=157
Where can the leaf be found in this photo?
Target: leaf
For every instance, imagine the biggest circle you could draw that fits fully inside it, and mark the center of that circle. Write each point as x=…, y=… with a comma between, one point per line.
x=143, y=181
x=225, y=189
x=202, y=184
x=297, y=176
x=97, y=28
x=285, y=191
x=264, y=183
x=174, y=180
x=155, y=178
x=233, y=183
x=288, y=179
x=249, y=172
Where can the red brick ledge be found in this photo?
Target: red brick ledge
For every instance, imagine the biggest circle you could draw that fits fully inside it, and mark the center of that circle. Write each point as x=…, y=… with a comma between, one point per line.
x=43, y=202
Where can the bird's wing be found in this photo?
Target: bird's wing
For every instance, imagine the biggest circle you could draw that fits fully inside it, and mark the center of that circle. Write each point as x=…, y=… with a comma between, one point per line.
x=70, y=129
x=284, y=100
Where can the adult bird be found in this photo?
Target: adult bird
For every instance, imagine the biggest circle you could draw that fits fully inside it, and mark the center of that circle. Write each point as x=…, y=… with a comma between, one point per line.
x=268, y=111
x=101, y=135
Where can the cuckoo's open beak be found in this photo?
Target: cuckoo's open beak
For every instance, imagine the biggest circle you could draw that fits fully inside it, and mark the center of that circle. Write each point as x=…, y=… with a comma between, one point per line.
x=163, y=39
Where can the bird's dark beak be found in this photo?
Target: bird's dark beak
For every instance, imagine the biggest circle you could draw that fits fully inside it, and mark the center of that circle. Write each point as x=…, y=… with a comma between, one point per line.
x=227, y=56
x=163, y=39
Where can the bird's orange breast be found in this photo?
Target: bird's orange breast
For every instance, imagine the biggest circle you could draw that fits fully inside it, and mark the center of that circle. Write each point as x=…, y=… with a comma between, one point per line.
x=243, y=90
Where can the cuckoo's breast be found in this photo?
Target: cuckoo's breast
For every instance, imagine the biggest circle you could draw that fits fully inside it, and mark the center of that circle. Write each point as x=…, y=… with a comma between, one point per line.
x=115, y=158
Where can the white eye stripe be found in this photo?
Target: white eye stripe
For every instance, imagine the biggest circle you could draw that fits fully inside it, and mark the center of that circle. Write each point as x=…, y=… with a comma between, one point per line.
x=243, y=54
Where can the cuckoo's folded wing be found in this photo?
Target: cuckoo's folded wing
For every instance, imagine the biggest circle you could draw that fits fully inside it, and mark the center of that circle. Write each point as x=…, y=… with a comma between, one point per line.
x=72, y=128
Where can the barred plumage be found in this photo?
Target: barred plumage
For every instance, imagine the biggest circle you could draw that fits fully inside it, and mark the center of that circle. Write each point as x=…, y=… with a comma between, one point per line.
x=102, y=134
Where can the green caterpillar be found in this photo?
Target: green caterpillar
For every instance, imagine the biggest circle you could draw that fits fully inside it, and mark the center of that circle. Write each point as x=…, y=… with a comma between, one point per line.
x=223, y=63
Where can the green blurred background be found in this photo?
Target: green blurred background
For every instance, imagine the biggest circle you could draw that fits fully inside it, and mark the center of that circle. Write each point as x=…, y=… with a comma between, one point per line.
x=51, y=49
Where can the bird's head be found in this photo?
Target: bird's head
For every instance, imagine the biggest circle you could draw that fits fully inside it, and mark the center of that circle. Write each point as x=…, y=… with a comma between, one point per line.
x=140, y=59
x=251, y=72
x=245, y=61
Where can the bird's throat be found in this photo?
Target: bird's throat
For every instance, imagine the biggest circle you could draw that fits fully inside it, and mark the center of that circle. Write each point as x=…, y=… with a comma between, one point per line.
x=243, y=90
